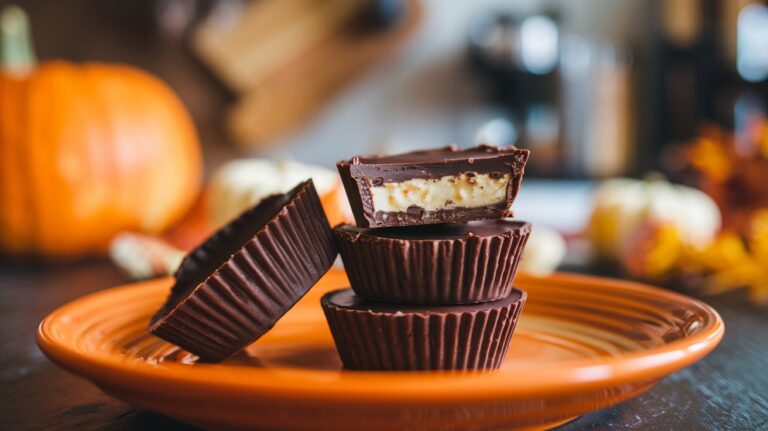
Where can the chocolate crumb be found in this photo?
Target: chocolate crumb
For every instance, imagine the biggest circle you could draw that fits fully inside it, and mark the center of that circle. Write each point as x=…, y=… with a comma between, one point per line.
x=415, y=211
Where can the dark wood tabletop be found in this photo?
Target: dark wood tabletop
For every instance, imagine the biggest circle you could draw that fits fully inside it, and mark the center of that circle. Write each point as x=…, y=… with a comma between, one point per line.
x=728, y=390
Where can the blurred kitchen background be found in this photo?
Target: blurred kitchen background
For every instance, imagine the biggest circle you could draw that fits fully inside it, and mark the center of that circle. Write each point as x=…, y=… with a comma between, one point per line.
x=596, y=89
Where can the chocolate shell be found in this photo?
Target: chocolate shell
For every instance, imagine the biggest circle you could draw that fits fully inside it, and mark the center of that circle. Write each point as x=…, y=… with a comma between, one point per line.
x=436, y=264
x=233, y=288
x=375, y=336
x=408, y=182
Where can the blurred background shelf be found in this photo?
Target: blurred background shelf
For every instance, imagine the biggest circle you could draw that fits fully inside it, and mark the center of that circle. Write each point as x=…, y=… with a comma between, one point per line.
x=624, y=80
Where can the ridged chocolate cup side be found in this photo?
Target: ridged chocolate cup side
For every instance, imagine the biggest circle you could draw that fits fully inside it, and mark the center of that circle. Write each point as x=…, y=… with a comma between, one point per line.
x=429, y=270
x=381, y=337
x=226, y=296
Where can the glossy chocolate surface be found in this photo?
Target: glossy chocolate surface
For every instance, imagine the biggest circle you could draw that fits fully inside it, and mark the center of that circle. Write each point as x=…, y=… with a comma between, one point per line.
x=361, y=173
x=232, y=289
x=347, y=299
x=438, y=232
x=437, y=163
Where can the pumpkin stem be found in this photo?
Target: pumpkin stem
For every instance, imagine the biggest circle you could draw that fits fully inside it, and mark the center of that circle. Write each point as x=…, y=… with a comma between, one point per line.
x=16, y=53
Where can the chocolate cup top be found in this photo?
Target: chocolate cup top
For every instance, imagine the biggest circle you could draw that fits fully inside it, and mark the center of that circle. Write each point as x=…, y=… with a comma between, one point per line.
x=362, y=174
x=437, y=162
x=437, y=232
x=348, y=300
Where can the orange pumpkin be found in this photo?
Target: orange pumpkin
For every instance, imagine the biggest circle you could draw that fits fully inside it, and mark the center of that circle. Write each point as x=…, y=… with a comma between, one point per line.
x=87, y=151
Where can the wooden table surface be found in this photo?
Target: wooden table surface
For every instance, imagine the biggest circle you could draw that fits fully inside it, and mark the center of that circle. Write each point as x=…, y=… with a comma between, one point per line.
x=728, y=390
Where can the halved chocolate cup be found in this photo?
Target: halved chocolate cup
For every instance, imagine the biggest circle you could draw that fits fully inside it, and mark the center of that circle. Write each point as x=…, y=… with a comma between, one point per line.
x=376, y=336
x=436, y=264
x=441, y=185
x=234, y=287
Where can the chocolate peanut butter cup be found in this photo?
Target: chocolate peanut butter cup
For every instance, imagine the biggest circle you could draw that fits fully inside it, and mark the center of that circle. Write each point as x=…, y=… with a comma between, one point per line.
x=444, y=185
x=375, y=336
x=434, y=264
x=233, y=288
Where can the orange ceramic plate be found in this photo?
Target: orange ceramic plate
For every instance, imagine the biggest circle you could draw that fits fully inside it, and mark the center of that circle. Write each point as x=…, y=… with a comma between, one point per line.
x=583, y=343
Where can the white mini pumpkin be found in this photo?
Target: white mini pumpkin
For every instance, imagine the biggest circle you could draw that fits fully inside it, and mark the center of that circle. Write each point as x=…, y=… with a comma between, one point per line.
x=623, y=206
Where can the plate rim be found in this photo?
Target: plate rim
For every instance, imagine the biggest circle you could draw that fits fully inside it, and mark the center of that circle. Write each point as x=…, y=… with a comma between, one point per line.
x=573, y=377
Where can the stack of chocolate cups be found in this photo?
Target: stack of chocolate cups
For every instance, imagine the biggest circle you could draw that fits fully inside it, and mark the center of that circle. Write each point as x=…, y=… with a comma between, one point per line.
x=432, y=260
